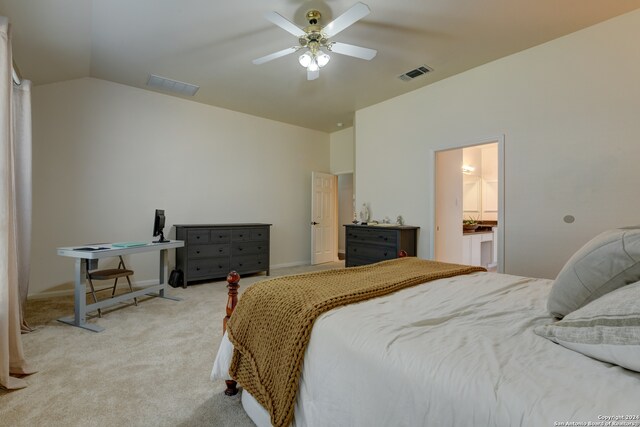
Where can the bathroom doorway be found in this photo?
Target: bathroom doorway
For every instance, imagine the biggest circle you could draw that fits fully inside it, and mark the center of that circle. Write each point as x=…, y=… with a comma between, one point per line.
x=469, y=205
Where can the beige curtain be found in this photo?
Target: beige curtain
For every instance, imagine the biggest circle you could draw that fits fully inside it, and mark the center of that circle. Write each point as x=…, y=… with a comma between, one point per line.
x=22, y=174
x=12, y=361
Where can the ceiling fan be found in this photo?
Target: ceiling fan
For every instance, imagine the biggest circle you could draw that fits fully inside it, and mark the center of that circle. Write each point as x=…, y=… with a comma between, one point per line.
x=315, y=38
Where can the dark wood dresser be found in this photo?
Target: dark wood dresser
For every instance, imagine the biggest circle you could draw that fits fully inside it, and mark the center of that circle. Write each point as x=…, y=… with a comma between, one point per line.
x=212, y=250
x=366, y=244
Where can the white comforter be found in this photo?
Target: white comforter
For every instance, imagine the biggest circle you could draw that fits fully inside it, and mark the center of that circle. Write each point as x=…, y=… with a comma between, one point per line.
x=459, y=352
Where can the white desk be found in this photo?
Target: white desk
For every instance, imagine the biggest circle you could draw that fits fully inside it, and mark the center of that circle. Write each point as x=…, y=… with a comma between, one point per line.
x=81, y=307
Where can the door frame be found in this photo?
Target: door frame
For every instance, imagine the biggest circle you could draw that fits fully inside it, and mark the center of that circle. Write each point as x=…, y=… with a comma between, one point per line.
x=499, y=139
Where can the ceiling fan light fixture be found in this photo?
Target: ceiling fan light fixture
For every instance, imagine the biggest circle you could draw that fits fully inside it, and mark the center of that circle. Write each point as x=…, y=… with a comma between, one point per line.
x=313, y=66
x=322, y=59
x=305, y=59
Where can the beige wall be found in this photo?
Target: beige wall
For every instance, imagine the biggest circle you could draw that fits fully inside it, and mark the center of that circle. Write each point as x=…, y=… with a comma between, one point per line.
x=342, y=151
x=568, y=111
x=106, y=155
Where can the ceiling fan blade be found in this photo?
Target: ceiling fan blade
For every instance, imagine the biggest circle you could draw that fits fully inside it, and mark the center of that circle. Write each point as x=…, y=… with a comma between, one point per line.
x=312, y=75
x=352, y=50
x=356, y=12
x=284, y=23
x=275, y=55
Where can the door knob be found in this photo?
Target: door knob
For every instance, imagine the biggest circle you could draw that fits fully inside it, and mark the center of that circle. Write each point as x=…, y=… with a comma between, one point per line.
x=315, y=223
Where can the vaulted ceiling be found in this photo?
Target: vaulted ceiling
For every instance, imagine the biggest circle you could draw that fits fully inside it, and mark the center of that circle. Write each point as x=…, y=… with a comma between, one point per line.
x=212, y=43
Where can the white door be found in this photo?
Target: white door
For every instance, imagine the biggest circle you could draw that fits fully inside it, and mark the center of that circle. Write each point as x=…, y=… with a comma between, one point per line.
x=324, y=216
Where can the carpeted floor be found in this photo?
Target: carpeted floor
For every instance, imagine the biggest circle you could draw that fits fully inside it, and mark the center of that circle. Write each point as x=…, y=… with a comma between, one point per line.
x=149, y=367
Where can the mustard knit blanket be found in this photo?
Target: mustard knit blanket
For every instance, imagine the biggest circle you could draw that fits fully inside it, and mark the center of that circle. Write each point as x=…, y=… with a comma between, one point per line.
x=271, y=325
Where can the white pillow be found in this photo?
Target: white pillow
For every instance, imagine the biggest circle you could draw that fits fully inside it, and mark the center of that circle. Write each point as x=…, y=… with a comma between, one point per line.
x=606, y=329
x=609, y=261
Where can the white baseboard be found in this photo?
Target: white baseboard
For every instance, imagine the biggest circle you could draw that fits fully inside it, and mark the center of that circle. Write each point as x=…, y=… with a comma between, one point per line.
x=50, y=294
x=145, y=283
x=291, y=264
x=299, y=263
x=67, y=292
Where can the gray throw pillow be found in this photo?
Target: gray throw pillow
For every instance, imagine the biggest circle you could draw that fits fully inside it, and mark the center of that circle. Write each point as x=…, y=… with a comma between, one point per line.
x=609, y=261
x=606, y=329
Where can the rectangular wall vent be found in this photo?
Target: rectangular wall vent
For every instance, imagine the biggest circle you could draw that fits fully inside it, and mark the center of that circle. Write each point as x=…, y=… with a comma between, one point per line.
x=170, y=85
x=410, y=75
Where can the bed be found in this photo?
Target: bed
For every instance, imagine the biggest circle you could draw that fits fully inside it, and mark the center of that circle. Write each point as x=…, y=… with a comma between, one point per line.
x=454, y=351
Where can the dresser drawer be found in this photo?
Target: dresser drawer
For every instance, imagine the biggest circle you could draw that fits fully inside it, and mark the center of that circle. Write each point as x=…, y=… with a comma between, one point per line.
x=220, y=236
x=206, y=267
x=373, y=252
x=249, y=248
x=241, y=235
x=245, y=263
x=259, y=234
x=354, y=261
x=369, y=235
x=196, y=237
x=207, y=251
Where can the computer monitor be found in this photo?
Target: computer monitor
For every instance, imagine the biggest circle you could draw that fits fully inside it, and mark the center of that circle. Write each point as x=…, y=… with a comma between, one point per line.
x=158, y=226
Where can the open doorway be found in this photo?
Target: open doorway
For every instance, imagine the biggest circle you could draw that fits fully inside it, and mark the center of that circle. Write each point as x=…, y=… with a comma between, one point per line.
x=331, y=207
x=345, y=209
x=469, y=207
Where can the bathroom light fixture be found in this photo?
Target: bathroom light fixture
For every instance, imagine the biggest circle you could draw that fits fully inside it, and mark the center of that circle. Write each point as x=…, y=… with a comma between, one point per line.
x=467, y=169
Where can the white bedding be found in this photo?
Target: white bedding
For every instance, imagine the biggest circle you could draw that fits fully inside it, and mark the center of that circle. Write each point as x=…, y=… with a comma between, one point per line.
x=457, y=351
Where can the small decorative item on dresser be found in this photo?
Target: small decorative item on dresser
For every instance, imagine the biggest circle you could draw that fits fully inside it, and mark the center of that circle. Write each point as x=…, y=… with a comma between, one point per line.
x=400, y=220
x=355, y=218
x=364, y=214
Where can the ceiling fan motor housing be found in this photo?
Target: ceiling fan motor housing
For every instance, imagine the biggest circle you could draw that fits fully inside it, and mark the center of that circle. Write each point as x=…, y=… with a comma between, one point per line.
x=313, y=16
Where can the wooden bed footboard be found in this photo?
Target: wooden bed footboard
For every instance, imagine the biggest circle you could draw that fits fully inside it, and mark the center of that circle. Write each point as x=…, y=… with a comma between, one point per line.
x=233, y=279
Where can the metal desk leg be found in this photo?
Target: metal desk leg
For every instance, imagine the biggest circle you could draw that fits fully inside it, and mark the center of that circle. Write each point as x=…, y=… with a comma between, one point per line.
x=80, y=301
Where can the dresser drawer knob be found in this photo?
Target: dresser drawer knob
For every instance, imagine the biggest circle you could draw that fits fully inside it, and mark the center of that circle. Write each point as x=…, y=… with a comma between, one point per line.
x=197, y=268
x=197, y=252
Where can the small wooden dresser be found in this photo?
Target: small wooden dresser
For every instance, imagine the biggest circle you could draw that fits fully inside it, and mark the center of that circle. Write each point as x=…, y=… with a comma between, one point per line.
x=212, y=250
x=366, y=244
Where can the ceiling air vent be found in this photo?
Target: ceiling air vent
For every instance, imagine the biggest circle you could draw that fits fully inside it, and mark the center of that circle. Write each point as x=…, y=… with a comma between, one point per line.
x=410, y=75
x=174, y=86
